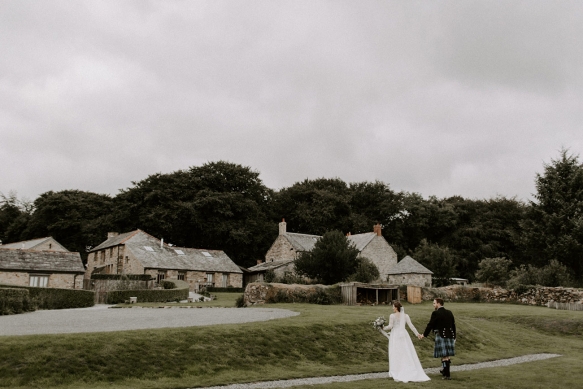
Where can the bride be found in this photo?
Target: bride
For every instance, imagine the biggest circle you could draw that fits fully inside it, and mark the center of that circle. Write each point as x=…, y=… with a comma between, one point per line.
x=404, y=365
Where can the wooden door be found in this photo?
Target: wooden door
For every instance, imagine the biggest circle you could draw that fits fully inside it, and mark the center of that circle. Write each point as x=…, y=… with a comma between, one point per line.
x=413, y=294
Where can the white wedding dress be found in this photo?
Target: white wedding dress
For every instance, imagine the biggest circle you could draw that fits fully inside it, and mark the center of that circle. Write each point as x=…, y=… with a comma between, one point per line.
x=404, y=365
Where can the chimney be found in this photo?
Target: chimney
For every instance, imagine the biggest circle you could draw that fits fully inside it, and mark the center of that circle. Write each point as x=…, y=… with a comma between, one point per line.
x=348, y=234
x=282, y=227
x=259, y=261
x=112, y=235
x=377, y=229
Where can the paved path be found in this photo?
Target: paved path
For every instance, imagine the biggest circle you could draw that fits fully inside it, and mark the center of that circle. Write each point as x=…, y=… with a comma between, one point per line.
x=102, y=319
x=385, y=375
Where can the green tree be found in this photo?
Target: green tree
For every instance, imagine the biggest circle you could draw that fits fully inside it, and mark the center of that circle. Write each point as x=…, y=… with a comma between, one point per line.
x=75, y=218
x=366, y=271
x=14, y=216
x=219, y=205
x=553, y=228
x=333, y=259
x=437, y=259
x=494, y=271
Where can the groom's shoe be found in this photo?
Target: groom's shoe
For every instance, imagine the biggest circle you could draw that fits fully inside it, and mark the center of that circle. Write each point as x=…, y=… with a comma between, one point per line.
x=444, y=365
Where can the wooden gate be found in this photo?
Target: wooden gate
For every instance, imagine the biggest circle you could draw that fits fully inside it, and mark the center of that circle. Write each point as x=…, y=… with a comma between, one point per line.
x=413, y=294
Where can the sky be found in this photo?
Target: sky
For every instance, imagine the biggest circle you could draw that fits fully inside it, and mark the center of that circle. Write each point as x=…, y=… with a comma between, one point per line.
x=439, y=98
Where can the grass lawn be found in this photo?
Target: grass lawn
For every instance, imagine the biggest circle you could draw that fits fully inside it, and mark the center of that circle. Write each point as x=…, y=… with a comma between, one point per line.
x=226, y=300
x=322, y=340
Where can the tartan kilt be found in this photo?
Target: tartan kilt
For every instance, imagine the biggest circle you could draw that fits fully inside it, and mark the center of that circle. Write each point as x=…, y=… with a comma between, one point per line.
x=444, y=347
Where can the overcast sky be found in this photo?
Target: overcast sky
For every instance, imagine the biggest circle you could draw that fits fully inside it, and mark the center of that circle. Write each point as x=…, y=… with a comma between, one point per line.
x=436, y=97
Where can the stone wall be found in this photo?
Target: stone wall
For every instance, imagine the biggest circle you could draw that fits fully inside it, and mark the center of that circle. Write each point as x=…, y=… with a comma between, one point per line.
x=56, y=280
x=381, y=254
x=535, y=295
x=422, y=280
x=280, y=250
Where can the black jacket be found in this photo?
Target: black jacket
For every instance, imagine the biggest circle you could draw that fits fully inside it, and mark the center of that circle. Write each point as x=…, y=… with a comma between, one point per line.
x=443, y=322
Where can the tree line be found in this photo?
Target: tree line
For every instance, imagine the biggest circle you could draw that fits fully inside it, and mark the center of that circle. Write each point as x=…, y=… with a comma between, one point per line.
x=226, y=206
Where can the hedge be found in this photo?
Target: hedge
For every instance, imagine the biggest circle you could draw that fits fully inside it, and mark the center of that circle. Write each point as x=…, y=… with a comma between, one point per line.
x=229, y=289
x=179, y=292
x=55, y=298
x=14, y=300
x=132, y=277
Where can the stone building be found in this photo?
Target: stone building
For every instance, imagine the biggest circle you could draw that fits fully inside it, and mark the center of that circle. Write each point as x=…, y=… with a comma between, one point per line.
x=137, y=252
x=410, y=272
x=289, y=245
x=41, y=268
x=48, y=243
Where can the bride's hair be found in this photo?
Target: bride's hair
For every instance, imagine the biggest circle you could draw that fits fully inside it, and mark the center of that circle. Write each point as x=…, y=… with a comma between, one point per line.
x=397, y=305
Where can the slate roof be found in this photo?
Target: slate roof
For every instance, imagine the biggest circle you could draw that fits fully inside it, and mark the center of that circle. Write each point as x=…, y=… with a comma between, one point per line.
x=270, y=265
x=31, y=244
x=42, y=261
x=168, y=257
x=305, y=242
x=408, y=265
x=302, y=242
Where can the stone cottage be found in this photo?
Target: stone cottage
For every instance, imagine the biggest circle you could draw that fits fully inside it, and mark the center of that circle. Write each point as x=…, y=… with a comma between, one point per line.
x=41, y=268
x=289, y=245
x=48, y=243
x=137, y=252
x=410, y=272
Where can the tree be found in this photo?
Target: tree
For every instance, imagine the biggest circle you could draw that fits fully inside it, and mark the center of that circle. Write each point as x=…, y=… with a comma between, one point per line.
x=366, y=271
x=437, y=259
x=219, y=205
x=75, y=218
x=553, y=228
x=493, y=271
x=14, y=216
x=333, y=259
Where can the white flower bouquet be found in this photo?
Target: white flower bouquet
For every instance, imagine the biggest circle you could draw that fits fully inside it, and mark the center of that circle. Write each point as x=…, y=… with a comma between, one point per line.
x=379, y=323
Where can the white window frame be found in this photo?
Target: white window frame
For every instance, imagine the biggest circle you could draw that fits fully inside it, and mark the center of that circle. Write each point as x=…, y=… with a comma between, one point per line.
x=209, y=277
x=39, y=280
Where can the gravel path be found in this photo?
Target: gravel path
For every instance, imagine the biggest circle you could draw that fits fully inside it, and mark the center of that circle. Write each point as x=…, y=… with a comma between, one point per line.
x=374, y=376
x=101, y=319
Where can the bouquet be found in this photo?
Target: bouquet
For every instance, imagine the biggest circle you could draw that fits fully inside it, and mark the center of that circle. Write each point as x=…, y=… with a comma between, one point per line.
x=379, y=323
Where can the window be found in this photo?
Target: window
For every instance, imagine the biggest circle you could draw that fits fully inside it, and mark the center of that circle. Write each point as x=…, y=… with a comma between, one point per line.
x=39, y=281
x=179, y=252
x=161, y=276
x=50, y=246
x=182, y=275
x=225, y=280
x=209, y=277
x=206, y=254
x=111, y=252
x=148, y=248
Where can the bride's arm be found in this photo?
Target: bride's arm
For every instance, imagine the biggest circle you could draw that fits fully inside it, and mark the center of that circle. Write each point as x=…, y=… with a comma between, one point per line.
x=411, y=325
x=390, y=326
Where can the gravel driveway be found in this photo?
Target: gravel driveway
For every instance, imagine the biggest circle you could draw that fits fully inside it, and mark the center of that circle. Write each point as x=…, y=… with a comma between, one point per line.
x=101, y=318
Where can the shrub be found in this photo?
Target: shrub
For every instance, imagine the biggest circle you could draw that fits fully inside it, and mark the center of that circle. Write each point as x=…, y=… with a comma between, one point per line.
x=493, y=271
x=56, y=298
x=270, y=276
x=322, y=296
x=366, y=271
x=553, y=274
x=14, y=300
x=228, y=289
x=178, y=292
x=240, y=302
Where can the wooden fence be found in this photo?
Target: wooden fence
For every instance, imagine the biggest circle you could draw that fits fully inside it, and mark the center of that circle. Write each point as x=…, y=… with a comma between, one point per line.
x=567, y=306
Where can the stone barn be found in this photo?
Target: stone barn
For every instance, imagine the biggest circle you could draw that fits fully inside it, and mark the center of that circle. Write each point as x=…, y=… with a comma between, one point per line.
x=410, y=272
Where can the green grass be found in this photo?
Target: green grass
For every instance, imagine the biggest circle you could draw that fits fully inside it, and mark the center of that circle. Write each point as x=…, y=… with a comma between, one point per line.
x=226, y=300
x=322, y=340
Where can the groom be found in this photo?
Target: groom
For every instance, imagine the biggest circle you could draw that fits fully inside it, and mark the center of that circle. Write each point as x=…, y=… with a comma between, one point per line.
x=443, y=324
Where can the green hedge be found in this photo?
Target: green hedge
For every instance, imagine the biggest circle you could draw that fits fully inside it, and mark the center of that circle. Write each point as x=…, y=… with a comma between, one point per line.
x=55, y=298
x=14, y=300
x=179, y=292
x=132, y=277
x=229, y=289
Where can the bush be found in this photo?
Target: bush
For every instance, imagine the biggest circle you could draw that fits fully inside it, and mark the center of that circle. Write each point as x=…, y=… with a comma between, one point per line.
x=493, y=271
x=240, y=302
x=322, y=296
x=14, y=300
x=553, y=274
x=270, y=276
x=132, y=277
x=229, y=289
x=178, y=292
x=366, y=271
x=55, y=298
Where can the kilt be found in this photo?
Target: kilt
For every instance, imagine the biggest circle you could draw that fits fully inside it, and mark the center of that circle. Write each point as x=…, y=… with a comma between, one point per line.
x=444, y=347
